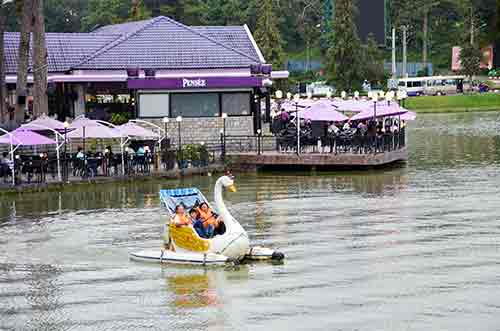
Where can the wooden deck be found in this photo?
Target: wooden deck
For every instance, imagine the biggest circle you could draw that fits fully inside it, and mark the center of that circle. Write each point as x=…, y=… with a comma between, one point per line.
x=277, y=159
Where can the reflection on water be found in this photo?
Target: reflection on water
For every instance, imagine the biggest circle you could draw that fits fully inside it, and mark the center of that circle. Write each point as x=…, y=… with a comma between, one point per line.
x=407, y=248
x=193, y=291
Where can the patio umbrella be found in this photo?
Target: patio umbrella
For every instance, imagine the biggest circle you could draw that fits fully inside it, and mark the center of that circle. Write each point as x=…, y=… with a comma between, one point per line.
x=134, y=130
x=409, y=116
x=322, y=111
x=353, y=106
x=380, y=110
x=44, y=121
x=24, y=137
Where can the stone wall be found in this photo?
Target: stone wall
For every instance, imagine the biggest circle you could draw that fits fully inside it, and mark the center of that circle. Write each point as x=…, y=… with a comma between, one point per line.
x=207, y=130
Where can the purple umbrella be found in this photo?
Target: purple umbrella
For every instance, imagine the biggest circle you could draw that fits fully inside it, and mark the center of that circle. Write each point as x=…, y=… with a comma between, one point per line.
x=135, y=130
x=45, y=121
x=322, y=111
x=382, y=109
x=23, y=137
x=409, y=116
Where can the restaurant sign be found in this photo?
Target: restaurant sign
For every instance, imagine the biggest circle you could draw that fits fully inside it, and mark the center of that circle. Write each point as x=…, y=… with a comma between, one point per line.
x=194, y=83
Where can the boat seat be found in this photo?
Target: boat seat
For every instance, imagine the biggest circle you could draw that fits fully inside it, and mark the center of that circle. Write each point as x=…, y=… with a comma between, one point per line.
x=187, y=238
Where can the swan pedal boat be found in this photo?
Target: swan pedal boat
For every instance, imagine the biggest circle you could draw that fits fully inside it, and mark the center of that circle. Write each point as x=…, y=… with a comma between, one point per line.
x=184, y=246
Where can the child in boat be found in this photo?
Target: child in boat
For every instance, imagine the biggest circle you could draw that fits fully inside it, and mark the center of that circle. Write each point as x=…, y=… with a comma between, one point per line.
x=180, y=218
x=198, y=224
x=210, y=219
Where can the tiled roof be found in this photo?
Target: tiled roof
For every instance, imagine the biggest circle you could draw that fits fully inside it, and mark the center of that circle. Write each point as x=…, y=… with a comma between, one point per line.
x=123, y=28
x=163, y=43
x=232, y=36
x=158, y=43
x=65, y=50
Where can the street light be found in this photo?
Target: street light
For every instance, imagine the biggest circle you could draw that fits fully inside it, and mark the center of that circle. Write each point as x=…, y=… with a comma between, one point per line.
x=259, y=132
x=178, y=119
x=66, y=126
x=165, y=121
x=296, y=99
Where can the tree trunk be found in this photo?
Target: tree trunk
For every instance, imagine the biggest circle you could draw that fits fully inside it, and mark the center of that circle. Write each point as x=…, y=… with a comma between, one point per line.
x=424, y=41
x=3, y=91
x=25, y=22
x=40, y=101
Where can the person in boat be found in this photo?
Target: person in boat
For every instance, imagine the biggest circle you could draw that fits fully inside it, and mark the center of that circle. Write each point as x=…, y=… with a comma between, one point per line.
x=211, y=221
x=180, y=218
x=198, y=224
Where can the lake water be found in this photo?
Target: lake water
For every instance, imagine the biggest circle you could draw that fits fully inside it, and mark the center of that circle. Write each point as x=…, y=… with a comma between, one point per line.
x=409, y=248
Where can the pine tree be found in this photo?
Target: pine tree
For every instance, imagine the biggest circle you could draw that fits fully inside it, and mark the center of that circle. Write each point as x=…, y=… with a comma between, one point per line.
x=267, y=34
x=373, y=60
x=345, y=56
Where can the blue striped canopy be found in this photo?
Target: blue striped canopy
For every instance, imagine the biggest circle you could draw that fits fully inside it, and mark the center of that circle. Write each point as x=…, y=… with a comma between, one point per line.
x=187, y=196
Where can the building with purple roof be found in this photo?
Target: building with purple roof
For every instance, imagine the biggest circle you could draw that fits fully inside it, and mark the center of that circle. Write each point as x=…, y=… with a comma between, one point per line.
x=153, y=69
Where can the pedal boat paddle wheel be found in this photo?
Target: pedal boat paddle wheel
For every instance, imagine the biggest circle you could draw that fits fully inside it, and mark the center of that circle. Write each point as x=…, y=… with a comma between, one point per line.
x=184, y=246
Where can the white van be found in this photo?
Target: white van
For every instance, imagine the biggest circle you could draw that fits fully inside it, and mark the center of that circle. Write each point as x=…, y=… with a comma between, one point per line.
x=414, y=87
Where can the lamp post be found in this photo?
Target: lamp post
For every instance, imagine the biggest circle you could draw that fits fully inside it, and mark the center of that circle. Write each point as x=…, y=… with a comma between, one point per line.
x=165, y=121
x=66, y=126
x=259, y=133
x=222, y=146
x=296, y=99
x=178, y=119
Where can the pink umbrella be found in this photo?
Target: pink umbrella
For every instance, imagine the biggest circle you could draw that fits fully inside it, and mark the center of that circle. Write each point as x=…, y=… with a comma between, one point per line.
x=409, y=116
x=322, y=111
x=24, y=137
x=95, y=131
x=135, y=130
x=44, y=121
x=382, y=109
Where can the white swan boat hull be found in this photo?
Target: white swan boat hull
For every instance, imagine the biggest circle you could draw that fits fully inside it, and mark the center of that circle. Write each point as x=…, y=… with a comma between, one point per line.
x=183, y=244
x=166, y=256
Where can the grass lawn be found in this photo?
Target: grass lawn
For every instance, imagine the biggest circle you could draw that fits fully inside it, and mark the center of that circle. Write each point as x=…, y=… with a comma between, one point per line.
x=454, y=103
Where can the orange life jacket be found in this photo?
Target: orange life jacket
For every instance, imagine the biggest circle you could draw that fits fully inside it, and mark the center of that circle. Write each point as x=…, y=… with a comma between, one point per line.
x=181, y=220
x=207, y=217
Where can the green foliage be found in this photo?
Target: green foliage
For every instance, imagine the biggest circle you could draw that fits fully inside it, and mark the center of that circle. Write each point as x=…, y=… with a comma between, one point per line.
x=119, y=118
x=268, y=35
x=226, y=12
x=105, y=12
x=470, y=57
x=373, y=61
x=345, y=70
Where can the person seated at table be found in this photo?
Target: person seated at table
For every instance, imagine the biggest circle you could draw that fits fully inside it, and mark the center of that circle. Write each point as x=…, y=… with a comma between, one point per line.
x=180, y=218
x=141, y=151
x=347, y=126
x=362, y=128
x=332, y=129
x=80, y=155
x=4, y=158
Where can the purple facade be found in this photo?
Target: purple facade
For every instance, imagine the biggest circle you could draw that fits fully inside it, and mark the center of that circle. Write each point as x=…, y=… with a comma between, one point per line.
x=194, y=83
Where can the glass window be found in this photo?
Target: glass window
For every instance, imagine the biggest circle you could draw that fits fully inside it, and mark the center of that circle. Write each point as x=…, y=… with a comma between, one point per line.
x=417, y=84
x=194, y=104
x=153, y=105
x=402, y=84
x=236, y=103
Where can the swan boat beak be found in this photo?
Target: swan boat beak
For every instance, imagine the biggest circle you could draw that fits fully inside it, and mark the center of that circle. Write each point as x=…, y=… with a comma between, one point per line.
x=232, y=188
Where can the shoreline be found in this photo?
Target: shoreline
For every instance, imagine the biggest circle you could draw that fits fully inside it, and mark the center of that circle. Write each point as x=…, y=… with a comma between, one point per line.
x=7, y=190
